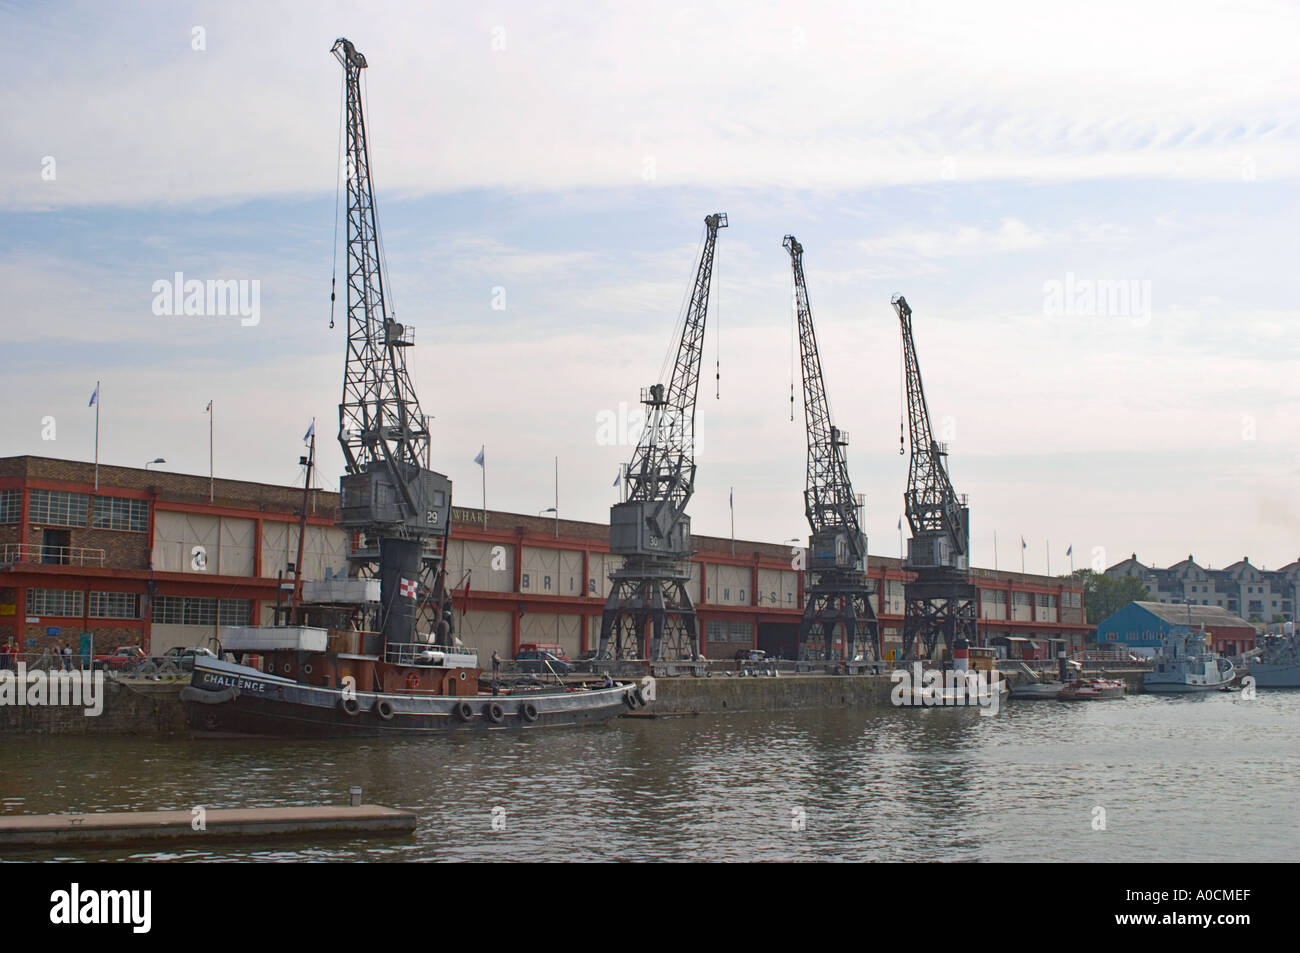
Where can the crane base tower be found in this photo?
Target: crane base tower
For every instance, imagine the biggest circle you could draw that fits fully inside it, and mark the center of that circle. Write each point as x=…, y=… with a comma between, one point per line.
x=935, y=609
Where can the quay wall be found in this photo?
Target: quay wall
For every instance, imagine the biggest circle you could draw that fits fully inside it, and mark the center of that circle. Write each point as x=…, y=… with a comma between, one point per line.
x=155, y=708
x=129, y=708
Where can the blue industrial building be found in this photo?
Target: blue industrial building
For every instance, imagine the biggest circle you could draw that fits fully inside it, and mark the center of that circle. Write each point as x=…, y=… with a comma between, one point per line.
x=1142, y=626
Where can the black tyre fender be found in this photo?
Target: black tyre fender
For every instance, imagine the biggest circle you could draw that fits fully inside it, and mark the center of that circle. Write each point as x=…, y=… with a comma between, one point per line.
x=384, y=709
x=640, y=697
x=350, y=706
x=494, y=713
x=463, y=711
x=629, y=699
x=528, y=712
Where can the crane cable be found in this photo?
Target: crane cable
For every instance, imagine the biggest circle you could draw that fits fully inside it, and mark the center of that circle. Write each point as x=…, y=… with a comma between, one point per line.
x=338, y=187
x=794, y=309
x=717, y=331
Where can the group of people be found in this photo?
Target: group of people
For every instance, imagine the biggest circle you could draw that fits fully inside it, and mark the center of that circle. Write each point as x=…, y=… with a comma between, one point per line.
x=11, y=652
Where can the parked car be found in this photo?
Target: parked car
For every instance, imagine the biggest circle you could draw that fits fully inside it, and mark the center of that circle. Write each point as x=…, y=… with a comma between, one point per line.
x=122, y=657
x=537, y=661
x=183, y=658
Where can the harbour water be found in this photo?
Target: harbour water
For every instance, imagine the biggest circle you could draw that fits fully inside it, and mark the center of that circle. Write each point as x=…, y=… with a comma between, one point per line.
x=1197, y=778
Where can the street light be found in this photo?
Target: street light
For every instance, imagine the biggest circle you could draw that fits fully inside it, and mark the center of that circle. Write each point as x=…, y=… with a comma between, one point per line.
x=158, y=460
x=552, y=509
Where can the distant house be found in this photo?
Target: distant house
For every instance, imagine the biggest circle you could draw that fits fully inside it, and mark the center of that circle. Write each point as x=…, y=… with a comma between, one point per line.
x=1241, y=588
x=1141, y=627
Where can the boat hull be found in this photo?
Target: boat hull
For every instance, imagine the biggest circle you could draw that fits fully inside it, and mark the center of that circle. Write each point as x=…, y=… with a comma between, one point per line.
x=1182, y=688
x=223, y=701
x=1276, y=676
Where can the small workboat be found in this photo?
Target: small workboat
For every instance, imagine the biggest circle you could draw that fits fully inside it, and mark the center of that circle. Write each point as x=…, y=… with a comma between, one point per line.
x=1186, y=665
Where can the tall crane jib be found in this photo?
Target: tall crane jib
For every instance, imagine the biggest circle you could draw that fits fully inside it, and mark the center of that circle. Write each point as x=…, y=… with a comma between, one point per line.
x=838, y=624
x=397, y=511
x=650, y=528
x=940, y=601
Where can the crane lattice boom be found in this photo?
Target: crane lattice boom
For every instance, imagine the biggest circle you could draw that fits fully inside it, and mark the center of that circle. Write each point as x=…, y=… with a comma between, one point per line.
x=932, y=506
x=829, y=501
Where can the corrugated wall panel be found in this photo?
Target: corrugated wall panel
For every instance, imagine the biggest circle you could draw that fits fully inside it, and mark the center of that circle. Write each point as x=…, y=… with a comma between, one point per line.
x=487, y=632
x=237, y=538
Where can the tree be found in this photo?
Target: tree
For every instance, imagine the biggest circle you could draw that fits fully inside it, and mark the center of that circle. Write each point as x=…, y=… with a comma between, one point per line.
x=1104, y=596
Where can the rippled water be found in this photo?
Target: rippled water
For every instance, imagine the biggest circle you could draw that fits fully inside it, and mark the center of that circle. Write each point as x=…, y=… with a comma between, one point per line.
x=1200, y=778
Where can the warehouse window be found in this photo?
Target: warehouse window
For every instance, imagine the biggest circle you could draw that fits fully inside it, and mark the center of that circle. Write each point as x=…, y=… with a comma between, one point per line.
x=234, y=612
x=741, y=632
x=56, y=508
x=184, y=610
x=11, y=506
x=114, y=605
x=117, y=512
x=56, y=602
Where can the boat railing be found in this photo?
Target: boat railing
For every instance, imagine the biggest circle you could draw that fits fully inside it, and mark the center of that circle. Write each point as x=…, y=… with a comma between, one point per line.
x=411, y=653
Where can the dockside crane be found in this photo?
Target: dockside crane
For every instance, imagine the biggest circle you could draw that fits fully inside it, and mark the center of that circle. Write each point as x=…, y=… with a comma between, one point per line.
x=838, y=603
x=397, y=511
x=940, y=601
x=650, y=528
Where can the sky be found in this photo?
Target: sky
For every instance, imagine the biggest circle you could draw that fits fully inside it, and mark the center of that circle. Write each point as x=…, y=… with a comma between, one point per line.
x=1092, y=213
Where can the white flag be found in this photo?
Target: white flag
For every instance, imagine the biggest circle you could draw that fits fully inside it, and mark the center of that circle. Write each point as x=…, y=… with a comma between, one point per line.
x=311, y=432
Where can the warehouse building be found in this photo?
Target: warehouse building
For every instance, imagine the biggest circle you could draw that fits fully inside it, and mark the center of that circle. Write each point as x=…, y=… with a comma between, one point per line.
x=165, y=559
x=1141, y=627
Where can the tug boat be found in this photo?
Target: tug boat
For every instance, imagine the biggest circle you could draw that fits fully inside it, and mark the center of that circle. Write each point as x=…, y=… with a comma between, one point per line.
x=320, y=683
x=1185, y=665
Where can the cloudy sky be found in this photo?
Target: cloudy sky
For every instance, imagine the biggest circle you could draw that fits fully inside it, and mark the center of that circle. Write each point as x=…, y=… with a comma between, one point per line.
x=1093, y=215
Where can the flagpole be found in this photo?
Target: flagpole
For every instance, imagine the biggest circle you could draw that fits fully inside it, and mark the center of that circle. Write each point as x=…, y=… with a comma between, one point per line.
x=211, y=486
x=1071, y=555
x=96, y=436
x=732, y=501
x=557, y=497
x=995, y=550
x=483, y=467
x=1049, y=557
x=1023, y=547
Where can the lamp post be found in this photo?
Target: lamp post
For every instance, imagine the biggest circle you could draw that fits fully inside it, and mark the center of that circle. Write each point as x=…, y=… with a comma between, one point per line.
x=156, y=460
x=556, y=511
